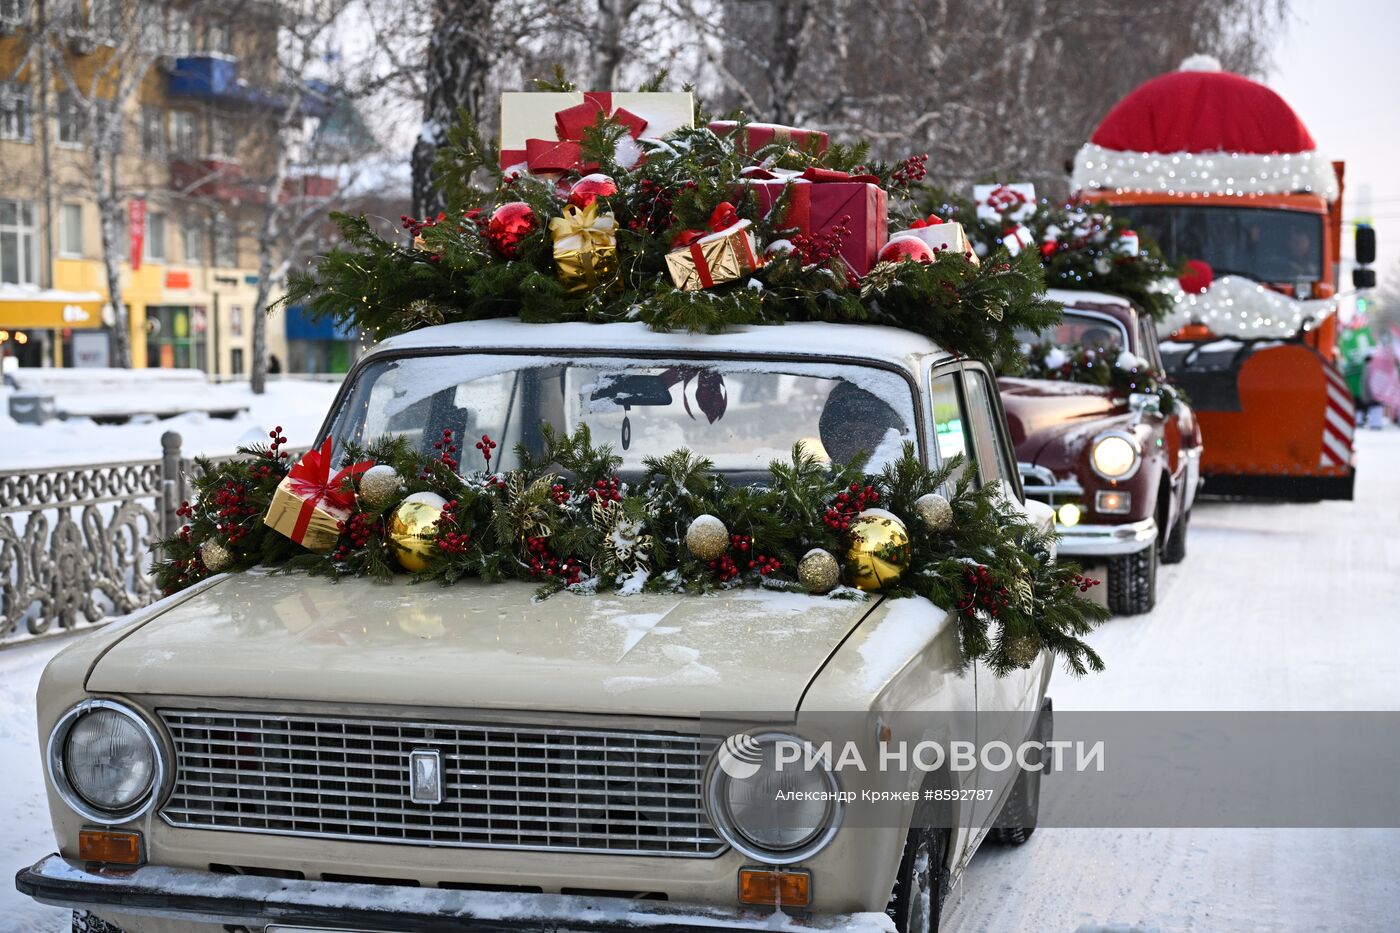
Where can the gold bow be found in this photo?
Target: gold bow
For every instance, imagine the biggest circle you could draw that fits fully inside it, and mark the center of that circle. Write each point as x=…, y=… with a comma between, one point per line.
x=585, y=247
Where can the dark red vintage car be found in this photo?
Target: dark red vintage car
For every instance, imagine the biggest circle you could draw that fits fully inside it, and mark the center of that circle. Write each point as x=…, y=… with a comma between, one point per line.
x=1120, y=468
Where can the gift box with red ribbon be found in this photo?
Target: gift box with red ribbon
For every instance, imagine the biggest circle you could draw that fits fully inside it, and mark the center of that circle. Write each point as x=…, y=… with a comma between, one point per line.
x=705, y=260
x=309, y=504
x=758, y=135
x=942, y=237
x=543, y=131
x=819, y=199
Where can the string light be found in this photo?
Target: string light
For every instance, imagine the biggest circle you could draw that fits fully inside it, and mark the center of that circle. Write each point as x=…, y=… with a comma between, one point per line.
x=1100, y=169
x=1236, y=306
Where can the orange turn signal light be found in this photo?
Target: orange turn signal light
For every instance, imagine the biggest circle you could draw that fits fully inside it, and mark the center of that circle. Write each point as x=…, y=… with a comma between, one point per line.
x=112, y=848
x=770, y=888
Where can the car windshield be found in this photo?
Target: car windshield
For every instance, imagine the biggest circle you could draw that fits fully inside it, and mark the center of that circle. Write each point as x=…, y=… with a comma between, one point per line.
x=742, y=414
x=1077, y=329
x=1258, y=243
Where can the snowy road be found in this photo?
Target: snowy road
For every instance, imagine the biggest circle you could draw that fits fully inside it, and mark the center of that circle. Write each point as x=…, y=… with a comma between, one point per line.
x=1300, y=605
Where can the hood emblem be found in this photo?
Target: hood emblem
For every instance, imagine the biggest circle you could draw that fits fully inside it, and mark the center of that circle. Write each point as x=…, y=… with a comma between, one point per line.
x=425, y=775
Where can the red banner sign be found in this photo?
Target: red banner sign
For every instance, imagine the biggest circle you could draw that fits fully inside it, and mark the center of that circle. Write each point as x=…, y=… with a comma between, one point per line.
x=136, y=227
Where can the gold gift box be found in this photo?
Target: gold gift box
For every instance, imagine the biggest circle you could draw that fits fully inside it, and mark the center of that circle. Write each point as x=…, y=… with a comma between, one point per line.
x=321, y=529
x=714, y=259
x=585, y=248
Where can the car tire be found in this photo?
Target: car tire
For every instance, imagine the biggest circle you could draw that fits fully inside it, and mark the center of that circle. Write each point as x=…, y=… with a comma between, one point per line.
x=916, y=903
x=1175, y=551
x=1132, y=582
x=1018, y=816
x=84, y=922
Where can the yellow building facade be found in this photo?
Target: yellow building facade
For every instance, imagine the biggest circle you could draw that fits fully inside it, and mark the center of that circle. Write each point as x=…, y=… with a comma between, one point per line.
x=190, y=294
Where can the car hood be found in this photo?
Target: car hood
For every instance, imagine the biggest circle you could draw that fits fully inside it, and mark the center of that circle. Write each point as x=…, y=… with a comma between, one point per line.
x=484, y=646
x=1051, y=422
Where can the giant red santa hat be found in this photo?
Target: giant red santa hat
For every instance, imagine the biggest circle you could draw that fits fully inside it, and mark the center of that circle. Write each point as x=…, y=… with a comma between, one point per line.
x=1203, y=130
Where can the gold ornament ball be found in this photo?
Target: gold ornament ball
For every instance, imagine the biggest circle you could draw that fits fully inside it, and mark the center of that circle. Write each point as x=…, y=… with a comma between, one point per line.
x=379, y=486
x=707, y=538
x=879, y=550
x=413, y=528
x=934, y=511
x=215, y=556
x=819, y=571
x=1022, y=650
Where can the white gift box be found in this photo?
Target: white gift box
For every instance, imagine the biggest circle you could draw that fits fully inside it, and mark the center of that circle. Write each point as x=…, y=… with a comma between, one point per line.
x=1015, y=201
x=946, y=238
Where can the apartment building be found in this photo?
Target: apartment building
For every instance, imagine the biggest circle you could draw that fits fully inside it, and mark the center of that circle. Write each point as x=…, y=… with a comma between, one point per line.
x=192, y=139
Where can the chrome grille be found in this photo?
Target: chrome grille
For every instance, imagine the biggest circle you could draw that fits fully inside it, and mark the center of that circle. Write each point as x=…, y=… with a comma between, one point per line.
x=503, y=787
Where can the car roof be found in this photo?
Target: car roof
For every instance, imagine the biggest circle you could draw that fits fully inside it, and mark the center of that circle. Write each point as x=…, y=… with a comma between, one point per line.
x=888, y=345
x=1116, y=305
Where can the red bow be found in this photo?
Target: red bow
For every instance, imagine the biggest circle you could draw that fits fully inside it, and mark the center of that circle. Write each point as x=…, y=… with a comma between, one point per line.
x=722, y=217
x=564, y=154
x=310, y=479
x=933, y=221
x=819, y=175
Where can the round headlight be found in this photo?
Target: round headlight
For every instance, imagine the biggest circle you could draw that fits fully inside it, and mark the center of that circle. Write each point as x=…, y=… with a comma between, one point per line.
x=105, y=761
x=769, y=807
x=1114, y=456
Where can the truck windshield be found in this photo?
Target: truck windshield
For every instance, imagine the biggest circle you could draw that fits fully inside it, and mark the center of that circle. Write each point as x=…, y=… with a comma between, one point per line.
x=741, y=414
x=1266, y=245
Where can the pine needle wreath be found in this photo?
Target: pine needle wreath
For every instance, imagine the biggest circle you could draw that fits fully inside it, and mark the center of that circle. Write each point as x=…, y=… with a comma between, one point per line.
x=566, y=521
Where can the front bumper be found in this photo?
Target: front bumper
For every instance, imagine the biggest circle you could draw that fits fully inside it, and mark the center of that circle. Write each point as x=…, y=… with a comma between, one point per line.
x=1106, y=540
x=245, y=900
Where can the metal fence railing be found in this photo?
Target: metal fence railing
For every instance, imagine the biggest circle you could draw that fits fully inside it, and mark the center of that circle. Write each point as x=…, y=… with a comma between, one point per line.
x=76, y=542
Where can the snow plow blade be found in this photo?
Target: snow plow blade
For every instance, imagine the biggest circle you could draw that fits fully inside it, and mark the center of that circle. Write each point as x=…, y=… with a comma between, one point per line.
x=1277, y=419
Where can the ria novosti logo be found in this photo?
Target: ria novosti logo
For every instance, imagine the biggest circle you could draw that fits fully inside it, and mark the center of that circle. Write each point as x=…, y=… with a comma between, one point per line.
x=740, y=756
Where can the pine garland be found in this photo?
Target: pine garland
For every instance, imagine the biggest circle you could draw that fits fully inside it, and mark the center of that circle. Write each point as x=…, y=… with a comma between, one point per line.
x=1117, y=370
x=1081, y=246
x=565, y=521
x=386, y=287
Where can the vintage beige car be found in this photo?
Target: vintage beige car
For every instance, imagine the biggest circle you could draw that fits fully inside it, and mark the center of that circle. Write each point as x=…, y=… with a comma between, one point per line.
x=276, y=752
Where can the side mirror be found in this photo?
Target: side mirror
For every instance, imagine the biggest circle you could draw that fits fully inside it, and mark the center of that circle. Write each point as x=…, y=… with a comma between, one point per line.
x=1362, y=277
x=1365, y=244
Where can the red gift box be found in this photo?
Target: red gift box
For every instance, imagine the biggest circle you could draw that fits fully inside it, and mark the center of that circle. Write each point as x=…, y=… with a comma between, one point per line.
x=758, y=135
x=818, y=199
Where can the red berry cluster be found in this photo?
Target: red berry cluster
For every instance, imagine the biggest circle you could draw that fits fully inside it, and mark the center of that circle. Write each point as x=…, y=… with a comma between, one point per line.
x=723, y=567
x=654, y=213
x=486, y=445
x=416, y=227
x=1085, y=583
x=354, y=534
x=449, y=539
x=559, y=493
x=909, y=172
x=275, y=452
x=232, y=506
x=448, y=449
x=545, y=563
x=821, y=248
x=608, y=490
x=765, y=565
x=848, y=504
x=983, y=592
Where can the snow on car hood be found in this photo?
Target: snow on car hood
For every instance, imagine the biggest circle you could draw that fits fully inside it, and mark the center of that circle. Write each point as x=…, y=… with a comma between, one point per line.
x=485, y=646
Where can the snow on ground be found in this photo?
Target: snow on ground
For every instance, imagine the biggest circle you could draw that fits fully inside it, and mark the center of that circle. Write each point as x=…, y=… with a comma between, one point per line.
x=298, y=405
x=1300, y=608
x=1300, y=605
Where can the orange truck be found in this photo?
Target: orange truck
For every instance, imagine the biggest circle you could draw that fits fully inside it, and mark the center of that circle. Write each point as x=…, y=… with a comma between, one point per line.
x=1220, y=171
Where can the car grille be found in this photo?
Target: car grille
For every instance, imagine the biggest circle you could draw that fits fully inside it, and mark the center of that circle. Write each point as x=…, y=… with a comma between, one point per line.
x=502, y=786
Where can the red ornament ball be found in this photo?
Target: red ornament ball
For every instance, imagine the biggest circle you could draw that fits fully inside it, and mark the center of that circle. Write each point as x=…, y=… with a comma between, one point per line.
x=590, y=188
x=906, y=248
x=1197, y=277
x=509, y=224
